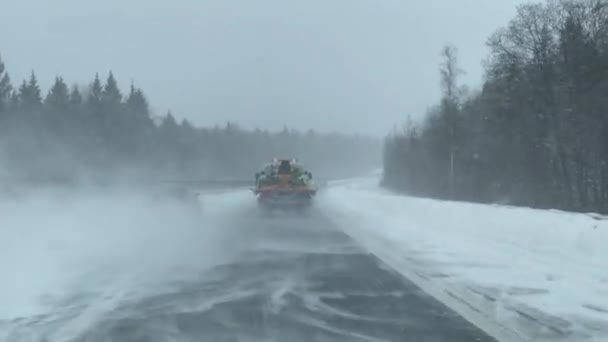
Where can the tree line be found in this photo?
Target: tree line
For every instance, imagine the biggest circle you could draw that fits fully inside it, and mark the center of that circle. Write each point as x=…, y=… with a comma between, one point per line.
x=535, y=134
x=99, y=132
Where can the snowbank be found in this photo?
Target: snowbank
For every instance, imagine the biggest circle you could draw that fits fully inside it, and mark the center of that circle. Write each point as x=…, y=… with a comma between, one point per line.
x=542, y=273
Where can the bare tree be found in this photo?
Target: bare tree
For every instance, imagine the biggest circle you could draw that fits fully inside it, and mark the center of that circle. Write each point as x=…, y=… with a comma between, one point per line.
x=537, y=132
x=449, y=83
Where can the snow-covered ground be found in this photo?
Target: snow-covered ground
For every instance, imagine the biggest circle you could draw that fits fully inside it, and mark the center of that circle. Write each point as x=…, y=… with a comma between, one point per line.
x=79, y=255
x=542, y=274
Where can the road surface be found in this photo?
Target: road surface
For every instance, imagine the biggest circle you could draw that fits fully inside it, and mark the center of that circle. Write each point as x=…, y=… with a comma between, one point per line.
x=298, y=279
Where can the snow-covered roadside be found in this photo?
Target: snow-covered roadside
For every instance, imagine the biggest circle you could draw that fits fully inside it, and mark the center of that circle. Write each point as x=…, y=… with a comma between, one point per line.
x=68, y=259
x=541, y=273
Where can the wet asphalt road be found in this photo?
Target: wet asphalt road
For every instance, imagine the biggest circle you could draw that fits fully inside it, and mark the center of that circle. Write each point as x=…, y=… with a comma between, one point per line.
x=299, y=279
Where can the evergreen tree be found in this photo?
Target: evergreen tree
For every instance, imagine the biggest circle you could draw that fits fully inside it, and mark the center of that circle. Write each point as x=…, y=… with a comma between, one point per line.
x=111, y=95
x=168, y=139
x=186, y=126
x=169, y=127
x=138, y=107
x=22, y=93
x=138, y=127
x=75, y=98
x=14, y=101
x=95, y=130
x=35, y=94
x=94, y=121
x=5, y=88
x=115, y=126
x=95, y=95
x=58, y=96
x=29, y=93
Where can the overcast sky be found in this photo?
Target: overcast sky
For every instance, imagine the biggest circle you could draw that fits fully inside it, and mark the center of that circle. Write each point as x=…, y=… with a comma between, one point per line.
x=345, y=65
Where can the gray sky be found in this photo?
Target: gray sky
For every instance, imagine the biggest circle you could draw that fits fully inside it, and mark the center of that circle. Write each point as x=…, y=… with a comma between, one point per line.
x=346, y=65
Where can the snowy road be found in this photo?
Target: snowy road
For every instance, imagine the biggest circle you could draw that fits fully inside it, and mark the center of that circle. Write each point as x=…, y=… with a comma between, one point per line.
x=283, y=278
x=365, y=265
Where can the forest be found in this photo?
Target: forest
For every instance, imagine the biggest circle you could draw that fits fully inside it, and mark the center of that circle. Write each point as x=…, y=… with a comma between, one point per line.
x=535, y=134
x=97, y=133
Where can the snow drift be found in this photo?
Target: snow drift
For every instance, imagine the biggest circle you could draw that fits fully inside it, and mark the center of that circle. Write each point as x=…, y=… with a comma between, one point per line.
x=72, y=256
